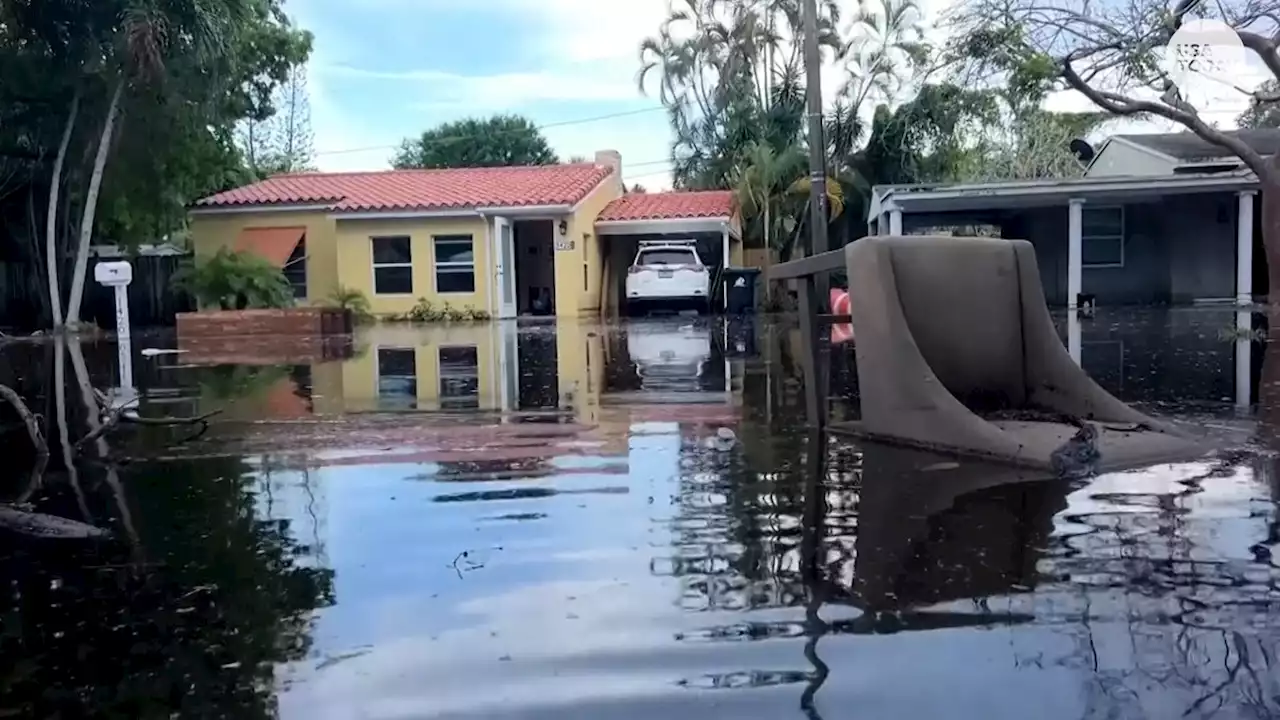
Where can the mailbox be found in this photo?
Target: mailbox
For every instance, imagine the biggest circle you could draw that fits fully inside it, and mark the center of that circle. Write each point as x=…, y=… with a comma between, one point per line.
x=113, y=274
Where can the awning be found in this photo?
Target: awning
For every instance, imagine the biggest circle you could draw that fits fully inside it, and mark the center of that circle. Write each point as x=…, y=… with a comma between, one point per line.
x=273, y=244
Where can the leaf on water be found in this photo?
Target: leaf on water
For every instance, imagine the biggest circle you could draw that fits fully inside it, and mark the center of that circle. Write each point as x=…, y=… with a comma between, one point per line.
x=945, y=465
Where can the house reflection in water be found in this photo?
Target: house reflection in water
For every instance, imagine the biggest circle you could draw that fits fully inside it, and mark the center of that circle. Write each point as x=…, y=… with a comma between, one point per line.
x=487, y=401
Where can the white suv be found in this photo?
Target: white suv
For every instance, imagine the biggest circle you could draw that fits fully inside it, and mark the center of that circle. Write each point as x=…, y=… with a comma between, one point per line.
x=668, y=273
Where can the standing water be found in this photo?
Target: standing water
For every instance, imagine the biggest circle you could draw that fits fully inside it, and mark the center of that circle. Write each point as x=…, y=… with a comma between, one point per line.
x=577, y=520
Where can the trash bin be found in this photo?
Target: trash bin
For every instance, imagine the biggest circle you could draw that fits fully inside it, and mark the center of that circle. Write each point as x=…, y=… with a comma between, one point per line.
x=740, y=339
x=740, y=290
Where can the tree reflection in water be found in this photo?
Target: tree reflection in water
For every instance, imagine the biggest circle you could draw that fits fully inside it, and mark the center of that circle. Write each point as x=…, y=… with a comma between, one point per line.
x=195, y=630
x=1129, y=568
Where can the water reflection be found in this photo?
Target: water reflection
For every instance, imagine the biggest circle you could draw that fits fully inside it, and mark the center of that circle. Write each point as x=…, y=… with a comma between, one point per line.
x=528, y=521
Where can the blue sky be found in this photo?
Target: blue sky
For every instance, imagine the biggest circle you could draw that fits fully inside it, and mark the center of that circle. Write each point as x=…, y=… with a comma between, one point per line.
x=397, y=67
x=394, y=68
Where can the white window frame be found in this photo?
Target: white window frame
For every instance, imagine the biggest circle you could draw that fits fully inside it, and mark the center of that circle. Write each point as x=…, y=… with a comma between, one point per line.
x=452, y=267
x=374, y=262
x=377, y=369
x=1121, y=237
x=472, y=372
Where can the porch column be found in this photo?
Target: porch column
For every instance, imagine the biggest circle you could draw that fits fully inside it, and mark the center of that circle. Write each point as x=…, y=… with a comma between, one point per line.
x=1244, y=359
x=1073, y=334
x=1244, y=249
x=895, y=222
x=1075, y=253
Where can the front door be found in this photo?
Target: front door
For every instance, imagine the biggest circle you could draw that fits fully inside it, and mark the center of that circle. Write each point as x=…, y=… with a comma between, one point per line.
x=504, y=253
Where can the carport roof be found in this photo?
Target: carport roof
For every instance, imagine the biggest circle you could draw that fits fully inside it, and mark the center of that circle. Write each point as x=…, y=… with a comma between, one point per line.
x=716, y=204
x=1040, y=193
x=670, y=213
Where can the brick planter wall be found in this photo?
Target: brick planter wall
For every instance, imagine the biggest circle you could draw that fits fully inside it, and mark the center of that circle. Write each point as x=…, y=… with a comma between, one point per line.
x=291, y=336
x=304, y=321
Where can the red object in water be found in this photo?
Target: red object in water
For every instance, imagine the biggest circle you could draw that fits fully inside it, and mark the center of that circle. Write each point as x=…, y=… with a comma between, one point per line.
x=840, y=305
x=839, y=301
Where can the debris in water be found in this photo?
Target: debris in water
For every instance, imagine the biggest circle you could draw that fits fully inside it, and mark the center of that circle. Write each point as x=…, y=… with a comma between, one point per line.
x=48, y=526
x=944, y=465
x=724, y=440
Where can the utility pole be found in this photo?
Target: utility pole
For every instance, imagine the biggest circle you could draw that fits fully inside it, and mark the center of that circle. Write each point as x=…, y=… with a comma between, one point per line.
x=817, y=142
x=812, y=289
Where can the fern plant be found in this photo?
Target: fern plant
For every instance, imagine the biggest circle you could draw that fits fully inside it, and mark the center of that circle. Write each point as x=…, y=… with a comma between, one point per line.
x=353, y=301
x=230, y=280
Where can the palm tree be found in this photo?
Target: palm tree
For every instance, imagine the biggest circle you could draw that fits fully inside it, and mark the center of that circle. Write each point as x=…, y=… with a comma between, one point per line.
x=148, y=38
x=772, y=190
x=728, y=72
x=882, y=50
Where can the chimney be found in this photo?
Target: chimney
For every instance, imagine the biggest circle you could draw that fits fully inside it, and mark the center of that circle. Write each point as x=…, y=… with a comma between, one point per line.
x=613, y=159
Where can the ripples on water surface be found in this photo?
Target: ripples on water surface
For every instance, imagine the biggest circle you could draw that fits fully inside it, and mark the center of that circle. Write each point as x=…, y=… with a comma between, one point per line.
x=604, y=558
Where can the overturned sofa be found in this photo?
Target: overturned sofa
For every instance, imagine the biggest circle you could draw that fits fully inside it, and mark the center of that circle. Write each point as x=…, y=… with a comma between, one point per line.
x=956, y=352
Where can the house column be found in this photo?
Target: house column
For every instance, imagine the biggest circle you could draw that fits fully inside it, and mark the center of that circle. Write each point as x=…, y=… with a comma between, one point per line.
x=883, y=225
x=1073, y=334
x=1075, y=252
x=1244, y=249
x=895, y=222
x=1244, y=359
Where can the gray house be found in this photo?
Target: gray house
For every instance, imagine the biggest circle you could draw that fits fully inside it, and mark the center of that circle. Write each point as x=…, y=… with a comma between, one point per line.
x=1162, y=218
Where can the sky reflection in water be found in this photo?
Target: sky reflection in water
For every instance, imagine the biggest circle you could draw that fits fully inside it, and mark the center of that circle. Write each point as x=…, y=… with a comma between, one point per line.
x=601, y=558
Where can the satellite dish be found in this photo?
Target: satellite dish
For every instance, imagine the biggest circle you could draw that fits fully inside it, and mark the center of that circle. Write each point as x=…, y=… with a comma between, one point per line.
x=1083, y=151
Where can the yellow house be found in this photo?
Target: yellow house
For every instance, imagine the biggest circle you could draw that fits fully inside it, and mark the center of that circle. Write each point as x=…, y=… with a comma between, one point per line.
x=512, y=241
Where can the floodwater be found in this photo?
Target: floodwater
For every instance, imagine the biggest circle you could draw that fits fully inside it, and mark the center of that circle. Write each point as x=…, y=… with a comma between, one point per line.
x=365, y=532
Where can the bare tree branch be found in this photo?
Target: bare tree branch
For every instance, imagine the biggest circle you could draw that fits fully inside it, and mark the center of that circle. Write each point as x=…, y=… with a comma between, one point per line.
x=1121, y=105
x=28, y=419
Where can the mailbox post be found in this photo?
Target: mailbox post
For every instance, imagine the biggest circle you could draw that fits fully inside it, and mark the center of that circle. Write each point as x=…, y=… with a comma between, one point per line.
x=118, y=275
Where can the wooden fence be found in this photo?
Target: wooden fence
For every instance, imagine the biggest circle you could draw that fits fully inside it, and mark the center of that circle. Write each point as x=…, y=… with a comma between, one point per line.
x=152, y=300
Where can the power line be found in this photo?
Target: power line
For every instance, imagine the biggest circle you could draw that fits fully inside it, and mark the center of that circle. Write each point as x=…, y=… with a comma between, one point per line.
x=453, y=138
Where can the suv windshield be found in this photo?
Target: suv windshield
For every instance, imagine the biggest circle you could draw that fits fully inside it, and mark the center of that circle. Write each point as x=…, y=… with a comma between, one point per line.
x=667, y=257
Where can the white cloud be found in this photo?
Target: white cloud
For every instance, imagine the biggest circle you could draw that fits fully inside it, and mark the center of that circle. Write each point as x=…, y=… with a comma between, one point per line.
x=497, y=91
x=590, y=31
x=589, y=54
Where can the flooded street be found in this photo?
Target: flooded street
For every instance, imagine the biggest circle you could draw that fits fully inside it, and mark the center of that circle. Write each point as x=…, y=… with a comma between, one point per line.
x=582, y=520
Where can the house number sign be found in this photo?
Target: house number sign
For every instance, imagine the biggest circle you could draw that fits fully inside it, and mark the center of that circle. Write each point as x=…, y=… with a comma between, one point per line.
x=564, y=245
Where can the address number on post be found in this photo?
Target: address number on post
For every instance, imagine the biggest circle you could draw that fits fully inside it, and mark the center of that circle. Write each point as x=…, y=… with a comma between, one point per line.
x=564, y=245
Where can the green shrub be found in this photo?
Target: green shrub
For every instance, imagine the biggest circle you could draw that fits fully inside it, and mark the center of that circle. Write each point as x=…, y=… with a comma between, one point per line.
x=424, y=311
x=353, y=301
x=454, y=314
x=234, y=281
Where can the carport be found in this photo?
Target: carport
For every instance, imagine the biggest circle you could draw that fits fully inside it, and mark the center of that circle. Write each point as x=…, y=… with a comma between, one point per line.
x=707, y=217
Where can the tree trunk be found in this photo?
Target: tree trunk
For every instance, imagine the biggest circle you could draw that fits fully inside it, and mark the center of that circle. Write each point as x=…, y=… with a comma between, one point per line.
x=51, y=221
x=91, y=205
x=1269, y=198
x=1269, y=382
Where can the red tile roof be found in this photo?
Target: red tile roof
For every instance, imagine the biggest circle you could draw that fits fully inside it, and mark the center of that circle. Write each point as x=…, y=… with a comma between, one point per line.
x=670, y=206
x=452, y=189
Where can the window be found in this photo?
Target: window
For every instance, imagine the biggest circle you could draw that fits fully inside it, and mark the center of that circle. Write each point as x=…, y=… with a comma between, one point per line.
x=398, y=378
x=459, y=378
x=295, y=270
x=392, y=266
x=1102, y=239
x=667, y=256
x=455, y=264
